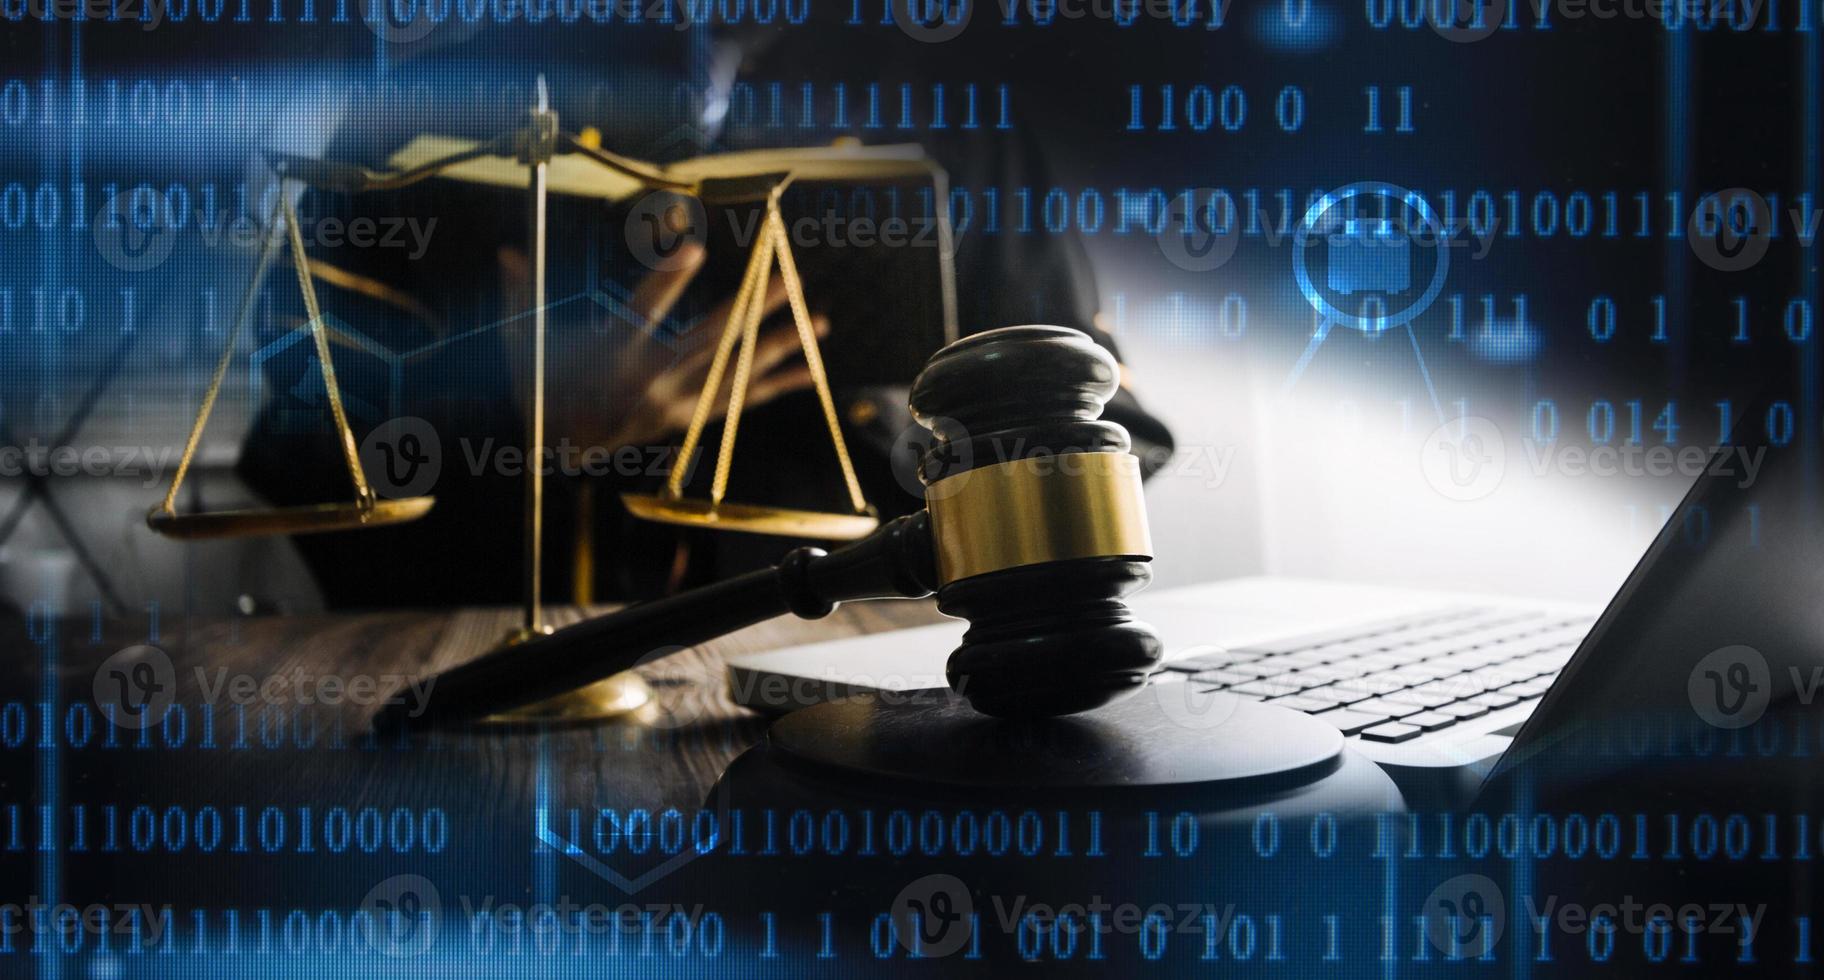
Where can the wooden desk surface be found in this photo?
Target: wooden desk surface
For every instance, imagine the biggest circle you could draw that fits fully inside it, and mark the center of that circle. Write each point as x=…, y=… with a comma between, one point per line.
x=277, y=836
x=283, y=780
x=703, y=733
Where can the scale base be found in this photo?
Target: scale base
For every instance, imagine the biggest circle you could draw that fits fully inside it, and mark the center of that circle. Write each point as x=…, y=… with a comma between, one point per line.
x=606, y=699
x=609, y=698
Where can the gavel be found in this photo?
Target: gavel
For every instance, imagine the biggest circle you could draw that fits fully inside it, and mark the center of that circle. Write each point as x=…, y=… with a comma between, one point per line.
x=1034, y=530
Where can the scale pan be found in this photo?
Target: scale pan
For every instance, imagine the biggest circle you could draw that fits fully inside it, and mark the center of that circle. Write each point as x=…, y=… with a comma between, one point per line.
x=308, y=519
x=752, y=518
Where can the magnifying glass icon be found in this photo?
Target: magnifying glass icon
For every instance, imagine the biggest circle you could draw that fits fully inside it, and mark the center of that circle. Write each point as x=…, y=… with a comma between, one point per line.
x=1368, y=255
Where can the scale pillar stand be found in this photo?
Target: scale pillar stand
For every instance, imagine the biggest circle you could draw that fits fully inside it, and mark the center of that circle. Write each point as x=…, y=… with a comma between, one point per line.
x=624, y=693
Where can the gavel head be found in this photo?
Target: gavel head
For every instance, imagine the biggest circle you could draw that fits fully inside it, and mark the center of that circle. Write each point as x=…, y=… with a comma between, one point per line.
x=1038, y=522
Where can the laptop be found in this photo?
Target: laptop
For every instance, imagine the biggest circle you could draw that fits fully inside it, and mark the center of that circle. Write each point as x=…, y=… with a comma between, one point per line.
x=1435, y=686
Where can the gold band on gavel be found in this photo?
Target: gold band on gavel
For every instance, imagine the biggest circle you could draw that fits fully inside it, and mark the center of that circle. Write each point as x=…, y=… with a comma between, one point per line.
x=1028, y=511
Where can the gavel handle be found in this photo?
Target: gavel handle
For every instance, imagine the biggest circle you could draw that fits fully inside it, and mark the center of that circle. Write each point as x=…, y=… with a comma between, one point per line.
x=895, y=561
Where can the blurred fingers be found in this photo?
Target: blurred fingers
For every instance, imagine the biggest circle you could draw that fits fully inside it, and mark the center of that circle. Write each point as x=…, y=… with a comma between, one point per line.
x=775, y=298
x=780, y=342
x=795, y=377
x=656, y=294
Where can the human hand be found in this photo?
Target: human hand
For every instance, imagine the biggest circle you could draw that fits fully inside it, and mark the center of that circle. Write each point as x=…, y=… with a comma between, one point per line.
x=614, y=383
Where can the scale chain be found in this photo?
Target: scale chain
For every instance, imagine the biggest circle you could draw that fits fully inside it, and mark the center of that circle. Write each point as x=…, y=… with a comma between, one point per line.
x=752, y=282
x=364, y=495
x=268, y=245
x=807, y=338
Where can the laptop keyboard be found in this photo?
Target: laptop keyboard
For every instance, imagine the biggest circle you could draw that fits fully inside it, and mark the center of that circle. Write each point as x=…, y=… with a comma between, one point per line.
x=1403, y=679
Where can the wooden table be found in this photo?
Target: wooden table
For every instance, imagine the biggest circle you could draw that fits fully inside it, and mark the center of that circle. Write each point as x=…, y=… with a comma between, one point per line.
x=299, y=804
x=273, y=838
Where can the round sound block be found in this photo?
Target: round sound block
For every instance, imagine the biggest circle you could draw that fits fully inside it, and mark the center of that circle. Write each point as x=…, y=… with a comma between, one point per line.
x=1082, y=796
x=1164, y=736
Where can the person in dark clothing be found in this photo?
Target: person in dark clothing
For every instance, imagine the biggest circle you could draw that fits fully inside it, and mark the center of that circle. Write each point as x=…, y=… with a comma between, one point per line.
x=626, y=363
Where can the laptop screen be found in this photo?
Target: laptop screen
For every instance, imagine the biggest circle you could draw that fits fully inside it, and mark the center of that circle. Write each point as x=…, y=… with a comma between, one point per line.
x=1711, y=656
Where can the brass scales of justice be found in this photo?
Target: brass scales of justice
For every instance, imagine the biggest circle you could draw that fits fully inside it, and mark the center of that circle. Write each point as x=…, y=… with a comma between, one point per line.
x=542, y=158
